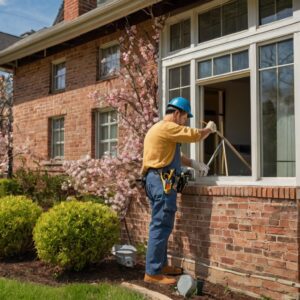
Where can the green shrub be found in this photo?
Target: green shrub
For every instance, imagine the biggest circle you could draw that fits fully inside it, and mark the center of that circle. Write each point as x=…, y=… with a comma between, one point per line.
x=9, y=187
x=74, y=234
x=18, y=216
x=41, y=187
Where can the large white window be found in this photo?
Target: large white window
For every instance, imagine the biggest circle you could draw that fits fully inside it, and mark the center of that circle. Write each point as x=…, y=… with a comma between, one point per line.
x=276, y=77
x=223, y=20
x=273, y=10
x=106, y=133
x=58, y=76
x=109, y=61
x=57, y=137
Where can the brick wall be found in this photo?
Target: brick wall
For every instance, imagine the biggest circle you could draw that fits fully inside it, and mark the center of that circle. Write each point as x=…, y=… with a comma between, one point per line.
x=243, y=237
x=75, y=8
x=34, y=103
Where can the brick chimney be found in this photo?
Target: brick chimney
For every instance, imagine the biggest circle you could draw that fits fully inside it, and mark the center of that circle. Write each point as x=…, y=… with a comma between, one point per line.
x=76, y=8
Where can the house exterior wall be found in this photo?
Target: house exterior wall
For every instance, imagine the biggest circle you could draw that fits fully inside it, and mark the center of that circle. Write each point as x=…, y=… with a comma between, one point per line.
x=243, y=236
x=246, y=238
x=34, y=104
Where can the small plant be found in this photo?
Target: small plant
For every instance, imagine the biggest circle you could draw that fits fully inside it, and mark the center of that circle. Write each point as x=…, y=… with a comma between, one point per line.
x=141, y=249
x=74, y=234
x=18, y=216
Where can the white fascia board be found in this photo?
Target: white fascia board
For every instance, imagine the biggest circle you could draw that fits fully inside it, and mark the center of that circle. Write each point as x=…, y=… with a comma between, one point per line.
x=67, y=30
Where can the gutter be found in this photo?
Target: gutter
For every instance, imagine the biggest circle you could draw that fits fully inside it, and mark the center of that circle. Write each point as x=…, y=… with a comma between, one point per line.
x=61, y=32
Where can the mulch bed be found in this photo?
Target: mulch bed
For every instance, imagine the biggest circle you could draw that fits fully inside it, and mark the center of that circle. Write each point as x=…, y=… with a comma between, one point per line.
x=29, y=268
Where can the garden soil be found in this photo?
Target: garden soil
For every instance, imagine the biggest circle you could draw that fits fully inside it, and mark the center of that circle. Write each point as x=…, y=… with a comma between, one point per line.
x=30, y=269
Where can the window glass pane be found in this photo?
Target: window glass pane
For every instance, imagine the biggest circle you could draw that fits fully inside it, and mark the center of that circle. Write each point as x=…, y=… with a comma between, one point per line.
x=268, y=98
x=285, y=123
x=285, y=52
x=204, y=68
x=234, y=17
x=222, y=65
x=113, y=149
x=174, y=94
x=110, y=60
x=174, y=78
x=104, y=132
x=186, y=33
x=104, y=149
x=113, y=131
x=284, y=9
x=273, y=10
x=61, y=150
x=240, y=61
x=113, y=116
x=104, y=118
x=267, y=56
x=267, y=12
x=175, y=36
x=185, y=75
x=185, y=93
x=209, y=25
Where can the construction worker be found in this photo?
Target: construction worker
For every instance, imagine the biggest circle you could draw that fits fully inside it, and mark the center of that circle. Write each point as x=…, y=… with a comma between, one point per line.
x=161, y=164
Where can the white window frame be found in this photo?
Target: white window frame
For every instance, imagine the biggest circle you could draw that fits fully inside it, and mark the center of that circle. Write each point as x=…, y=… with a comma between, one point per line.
x=251, y=38
x=60, y=142
x=98, y=131
x=103, y=48
x=55, y=63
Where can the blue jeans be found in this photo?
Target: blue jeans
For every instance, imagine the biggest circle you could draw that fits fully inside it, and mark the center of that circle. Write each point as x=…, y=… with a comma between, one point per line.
x=162, y=222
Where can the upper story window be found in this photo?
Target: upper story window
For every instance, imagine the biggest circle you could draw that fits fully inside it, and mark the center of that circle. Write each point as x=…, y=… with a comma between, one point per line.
x=57, y=137
x=180, y=35
x=106, y=133
x=58, y=76
x=225, y=19
x=273, y=10
x=109, y=61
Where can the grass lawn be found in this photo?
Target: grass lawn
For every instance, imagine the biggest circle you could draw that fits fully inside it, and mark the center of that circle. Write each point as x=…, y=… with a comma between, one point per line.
x=14, y=290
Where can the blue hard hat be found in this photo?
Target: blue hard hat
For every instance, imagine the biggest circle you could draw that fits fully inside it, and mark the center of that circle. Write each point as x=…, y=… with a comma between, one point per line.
x=182, y=104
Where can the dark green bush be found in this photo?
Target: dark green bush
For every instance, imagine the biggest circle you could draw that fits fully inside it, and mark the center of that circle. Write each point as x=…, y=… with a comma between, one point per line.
x=18, y=216
x=74, y=234
x=9, y=187
x=41, y=187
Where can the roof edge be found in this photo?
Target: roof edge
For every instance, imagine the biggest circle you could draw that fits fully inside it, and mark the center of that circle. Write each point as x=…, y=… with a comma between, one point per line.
x=109, y=12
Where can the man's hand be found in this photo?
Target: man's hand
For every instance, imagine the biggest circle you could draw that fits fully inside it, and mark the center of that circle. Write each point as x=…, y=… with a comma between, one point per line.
x=212, y=126
x=200, y=167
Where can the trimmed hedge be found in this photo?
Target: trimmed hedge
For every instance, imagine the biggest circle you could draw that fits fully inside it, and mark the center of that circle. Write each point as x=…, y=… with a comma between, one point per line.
x=74, y=234
x=18, y=216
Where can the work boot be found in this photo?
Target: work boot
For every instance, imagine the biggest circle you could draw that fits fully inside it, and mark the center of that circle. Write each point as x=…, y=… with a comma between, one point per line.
x=160, y=279
x=169, y=270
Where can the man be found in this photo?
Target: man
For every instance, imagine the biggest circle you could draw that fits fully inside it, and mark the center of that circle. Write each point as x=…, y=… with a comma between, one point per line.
x=161, y=165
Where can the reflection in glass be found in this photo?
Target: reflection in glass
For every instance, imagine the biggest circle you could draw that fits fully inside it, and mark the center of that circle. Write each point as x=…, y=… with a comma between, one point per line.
x=267, y=56
x=273, y=10
x=185, y=75
x=285, y=52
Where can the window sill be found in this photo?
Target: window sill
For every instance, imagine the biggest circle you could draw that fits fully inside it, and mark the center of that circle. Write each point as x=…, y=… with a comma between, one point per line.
x=109, y=77
x=53, y=163
x=57, y=92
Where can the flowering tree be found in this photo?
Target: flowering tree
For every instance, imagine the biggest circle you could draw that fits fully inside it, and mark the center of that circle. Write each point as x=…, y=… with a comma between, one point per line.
x=6, y=101
x=114, y=177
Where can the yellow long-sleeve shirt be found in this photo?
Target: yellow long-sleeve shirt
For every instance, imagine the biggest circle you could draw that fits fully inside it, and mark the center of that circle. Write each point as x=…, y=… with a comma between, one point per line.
x=160, y=143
